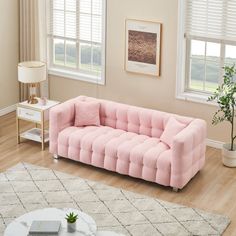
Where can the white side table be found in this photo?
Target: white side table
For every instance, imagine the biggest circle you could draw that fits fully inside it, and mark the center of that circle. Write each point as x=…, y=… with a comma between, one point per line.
x=21, y=225
x=37, y=114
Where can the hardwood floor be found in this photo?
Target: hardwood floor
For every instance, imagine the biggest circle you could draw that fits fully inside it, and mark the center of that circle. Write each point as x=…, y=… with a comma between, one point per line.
x=213, y=189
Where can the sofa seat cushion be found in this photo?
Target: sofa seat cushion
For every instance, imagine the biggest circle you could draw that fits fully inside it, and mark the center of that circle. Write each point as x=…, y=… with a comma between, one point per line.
x=104, y=146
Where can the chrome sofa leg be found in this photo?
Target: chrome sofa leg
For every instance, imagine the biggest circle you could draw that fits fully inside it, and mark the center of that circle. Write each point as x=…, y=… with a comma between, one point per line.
x=175, y=189
x=55, y=156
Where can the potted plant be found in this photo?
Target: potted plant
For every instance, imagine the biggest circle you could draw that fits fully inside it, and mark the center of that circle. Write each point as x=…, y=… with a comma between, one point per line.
x=225, y=96
x=71, y=222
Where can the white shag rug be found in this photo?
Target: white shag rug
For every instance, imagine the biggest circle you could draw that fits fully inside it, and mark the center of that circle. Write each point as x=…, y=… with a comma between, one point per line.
x=27, y=187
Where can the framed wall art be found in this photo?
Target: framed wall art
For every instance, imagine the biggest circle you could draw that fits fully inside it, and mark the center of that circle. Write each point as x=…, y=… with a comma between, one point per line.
x=143, y=47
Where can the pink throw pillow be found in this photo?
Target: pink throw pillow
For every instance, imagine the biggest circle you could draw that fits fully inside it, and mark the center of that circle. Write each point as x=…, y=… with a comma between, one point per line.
x=87, y=113
x=173, y=127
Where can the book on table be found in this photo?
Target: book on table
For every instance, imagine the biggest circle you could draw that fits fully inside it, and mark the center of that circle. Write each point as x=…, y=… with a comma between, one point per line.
x=44, y=228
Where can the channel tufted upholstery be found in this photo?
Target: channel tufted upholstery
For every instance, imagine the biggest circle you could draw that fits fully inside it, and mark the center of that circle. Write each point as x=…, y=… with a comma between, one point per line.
x=128, y=142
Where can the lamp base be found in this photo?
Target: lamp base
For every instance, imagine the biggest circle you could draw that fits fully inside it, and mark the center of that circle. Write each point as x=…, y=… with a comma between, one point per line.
x=32, y=99
x=32, y=94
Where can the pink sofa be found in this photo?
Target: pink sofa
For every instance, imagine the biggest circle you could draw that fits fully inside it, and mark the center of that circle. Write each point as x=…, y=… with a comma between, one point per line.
x=128, y=142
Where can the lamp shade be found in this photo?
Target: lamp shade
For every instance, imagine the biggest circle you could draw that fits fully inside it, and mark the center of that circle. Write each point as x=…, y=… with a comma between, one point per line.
x=31, y=72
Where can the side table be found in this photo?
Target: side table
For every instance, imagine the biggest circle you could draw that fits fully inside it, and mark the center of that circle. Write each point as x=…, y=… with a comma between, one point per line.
x=37, y=114
x=21, y=225
x=85, y=224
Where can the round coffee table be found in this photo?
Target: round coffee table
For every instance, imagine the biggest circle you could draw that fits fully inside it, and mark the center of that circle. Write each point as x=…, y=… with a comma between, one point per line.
x=21, y=225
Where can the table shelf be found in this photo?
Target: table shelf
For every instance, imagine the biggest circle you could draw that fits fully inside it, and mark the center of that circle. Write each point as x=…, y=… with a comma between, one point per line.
x=35, y=135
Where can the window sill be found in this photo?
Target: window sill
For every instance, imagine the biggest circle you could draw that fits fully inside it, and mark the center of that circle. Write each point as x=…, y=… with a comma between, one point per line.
x=76, y=76
x=195, y=97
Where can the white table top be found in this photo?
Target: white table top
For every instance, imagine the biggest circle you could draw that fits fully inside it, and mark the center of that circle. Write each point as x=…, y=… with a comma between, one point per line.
x=38, y=106
x=20, y=226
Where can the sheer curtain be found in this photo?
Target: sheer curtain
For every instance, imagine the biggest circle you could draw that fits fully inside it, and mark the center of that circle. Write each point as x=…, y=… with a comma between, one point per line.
x=33, y=44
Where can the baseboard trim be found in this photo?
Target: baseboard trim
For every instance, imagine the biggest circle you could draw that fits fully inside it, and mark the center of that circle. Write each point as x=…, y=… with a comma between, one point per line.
x=214, y=143
x=7, y=110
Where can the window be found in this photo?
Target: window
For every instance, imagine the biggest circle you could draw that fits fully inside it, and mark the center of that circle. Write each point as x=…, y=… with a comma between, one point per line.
x=207, y=42
x=76, y=38
x=206, y=60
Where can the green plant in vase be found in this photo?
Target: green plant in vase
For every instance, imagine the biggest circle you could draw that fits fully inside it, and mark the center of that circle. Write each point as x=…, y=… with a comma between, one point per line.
x=71, y=222
x=225, y=97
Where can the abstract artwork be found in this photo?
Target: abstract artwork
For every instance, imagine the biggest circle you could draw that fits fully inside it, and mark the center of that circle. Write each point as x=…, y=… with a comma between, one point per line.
x=143, y=41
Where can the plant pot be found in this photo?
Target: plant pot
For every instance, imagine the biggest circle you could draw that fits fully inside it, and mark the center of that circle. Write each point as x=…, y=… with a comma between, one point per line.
x=228, y=156
x=71, y=227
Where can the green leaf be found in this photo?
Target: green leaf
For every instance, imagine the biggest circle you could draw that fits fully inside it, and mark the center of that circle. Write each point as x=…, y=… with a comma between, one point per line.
x=71, y=217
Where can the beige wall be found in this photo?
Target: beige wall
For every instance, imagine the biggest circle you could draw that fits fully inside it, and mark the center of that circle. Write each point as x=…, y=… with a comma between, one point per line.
x=9, y=41
x=156, y=93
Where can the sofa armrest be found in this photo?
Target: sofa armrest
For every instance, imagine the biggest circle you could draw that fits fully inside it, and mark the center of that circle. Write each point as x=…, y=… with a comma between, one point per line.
x=188, y=153
x=61, y=117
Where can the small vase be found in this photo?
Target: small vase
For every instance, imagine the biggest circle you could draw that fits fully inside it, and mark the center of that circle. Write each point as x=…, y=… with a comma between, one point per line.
x=71, y=227
x=43, y=101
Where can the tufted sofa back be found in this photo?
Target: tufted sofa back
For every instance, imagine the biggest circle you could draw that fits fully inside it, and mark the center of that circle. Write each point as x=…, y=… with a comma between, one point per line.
x=134, y=119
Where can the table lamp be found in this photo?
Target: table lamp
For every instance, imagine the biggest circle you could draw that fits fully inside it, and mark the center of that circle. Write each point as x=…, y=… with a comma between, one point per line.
x=32, y=73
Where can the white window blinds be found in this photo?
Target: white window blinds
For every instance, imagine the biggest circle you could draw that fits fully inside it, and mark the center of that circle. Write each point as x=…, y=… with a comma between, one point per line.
x=76, y=19
x=76, y=32
x=215, y=19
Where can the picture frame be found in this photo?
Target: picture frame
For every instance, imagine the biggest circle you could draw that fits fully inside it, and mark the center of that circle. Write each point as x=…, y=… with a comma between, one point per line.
x=143, y=47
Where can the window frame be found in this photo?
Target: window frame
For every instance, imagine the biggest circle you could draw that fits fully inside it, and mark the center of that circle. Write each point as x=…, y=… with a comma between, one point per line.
x=183, y=60
x=188, y=62
x=76, y=73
